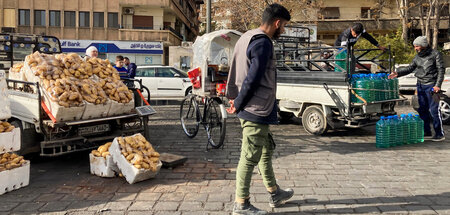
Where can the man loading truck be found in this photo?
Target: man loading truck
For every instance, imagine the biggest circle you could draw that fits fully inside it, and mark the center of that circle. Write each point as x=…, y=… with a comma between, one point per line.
x=428, y=67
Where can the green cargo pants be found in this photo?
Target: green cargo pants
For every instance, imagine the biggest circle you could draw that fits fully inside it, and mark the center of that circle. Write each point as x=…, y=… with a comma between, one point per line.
x=257, y=149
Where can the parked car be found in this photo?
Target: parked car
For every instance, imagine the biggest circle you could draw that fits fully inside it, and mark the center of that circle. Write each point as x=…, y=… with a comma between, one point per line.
x=164, y=82
x=444, y=104
x=406, y=83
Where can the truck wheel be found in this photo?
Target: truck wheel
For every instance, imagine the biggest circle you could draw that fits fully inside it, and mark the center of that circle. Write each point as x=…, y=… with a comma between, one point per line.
x=285, y=116
x=313, y=120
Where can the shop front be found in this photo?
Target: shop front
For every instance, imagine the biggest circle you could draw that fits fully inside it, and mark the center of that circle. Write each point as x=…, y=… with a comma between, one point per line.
x=141, y=53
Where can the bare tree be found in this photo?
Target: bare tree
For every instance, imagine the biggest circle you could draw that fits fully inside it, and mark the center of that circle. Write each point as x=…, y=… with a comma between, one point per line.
x=437, y=18
x=377, y=11
x=403, y=9
x=245, y=14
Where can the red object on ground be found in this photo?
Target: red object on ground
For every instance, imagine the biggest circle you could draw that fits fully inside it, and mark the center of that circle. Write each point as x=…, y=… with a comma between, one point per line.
x=195, y=76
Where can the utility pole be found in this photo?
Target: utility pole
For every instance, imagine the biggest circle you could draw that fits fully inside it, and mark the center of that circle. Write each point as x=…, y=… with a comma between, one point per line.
x=208, y=16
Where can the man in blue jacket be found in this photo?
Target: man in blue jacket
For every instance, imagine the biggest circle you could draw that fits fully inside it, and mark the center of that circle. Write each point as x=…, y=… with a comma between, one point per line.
x=251, y=88
x=131, y=67
x=428, y=67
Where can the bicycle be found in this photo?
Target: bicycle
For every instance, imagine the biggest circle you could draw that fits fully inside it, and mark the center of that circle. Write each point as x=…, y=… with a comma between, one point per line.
x=207, y=111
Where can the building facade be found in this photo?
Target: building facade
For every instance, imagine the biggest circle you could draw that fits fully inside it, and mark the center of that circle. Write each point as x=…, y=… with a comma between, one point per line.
x=100, y=22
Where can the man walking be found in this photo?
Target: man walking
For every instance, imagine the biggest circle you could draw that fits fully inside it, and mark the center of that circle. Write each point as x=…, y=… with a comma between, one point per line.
x=428, y=67
x=251, y=89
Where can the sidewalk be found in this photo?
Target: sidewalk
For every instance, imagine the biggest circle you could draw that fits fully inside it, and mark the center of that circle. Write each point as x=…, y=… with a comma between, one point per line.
x=341, y=172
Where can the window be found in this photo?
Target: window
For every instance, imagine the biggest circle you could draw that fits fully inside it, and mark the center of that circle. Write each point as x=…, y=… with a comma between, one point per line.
x=330, y=13
x=145, y=72
x=39, y=17
x=69, y=18
x=365, y=12
x=99, y=20
x=24, y=17
x=113, y=21
x=55, y=18
x=84, y=19
x=165, y=72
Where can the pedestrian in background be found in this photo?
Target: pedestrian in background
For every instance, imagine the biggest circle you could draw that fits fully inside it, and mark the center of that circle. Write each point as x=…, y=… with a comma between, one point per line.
x=428, y=67
x=92, y=51
x=131, y=67
x=119, y=67
x=251, y=89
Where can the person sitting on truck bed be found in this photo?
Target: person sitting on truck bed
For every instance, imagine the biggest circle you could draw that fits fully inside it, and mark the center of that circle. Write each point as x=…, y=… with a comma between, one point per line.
x=92, y=51
x=123, y=72
x=351, y=35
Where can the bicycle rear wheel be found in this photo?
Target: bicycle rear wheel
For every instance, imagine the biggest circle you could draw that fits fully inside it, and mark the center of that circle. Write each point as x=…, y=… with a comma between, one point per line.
x=215, y=120
x=189, y=116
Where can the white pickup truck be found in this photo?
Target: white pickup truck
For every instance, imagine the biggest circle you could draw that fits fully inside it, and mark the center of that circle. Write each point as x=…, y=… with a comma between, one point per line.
x=308, y=87
x=39, y=132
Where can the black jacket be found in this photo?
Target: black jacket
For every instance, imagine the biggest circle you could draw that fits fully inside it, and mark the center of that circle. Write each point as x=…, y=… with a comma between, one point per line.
x=428, y=67
x=347, y=37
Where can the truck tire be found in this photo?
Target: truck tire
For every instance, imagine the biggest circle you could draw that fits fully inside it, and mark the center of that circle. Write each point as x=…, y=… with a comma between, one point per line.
x=314, y=121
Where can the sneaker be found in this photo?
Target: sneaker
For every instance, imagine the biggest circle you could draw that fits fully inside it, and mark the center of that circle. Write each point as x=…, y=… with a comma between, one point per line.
x=247, y=209
x=280, y=196
x=427, y=136
x=438, y=138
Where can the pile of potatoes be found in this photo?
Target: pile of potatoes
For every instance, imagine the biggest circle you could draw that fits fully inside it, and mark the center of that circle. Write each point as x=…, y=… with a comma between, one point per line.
x=102, y=150
x=74, y=66
x=5, y=127
x=92, y=91
x=102, y=68
x=45, y=66
x=10, y=161
x=95, y=79
x=139, y=152
x=64, y=92
x=116, y=90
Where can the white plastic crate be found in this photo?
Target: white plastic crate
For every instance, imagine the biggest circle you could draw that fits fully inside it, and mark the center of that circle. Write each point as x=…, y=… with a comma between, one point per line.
x=5, y=110
x=103, y=167
x=10, y=141
x=62, y=113
x=96, y=111
x=131, y=173
x=14, y=179
x=120, y=108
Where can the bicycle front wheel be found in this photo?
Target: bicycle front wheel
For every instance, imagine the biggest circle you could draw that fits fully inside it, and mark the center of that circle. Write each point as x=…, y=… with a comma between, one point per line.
x=190, y=116
x=215, y=119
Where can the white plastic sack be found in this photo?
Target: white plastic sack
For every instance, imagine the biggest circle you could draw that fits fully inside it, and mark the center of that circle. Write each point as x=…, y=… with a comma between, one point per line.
x=5, y=110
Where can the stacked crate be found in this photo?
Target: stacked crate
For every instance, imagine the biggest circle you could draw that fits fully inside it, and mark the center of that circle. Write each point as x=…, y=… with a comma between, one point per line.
x=14, y=170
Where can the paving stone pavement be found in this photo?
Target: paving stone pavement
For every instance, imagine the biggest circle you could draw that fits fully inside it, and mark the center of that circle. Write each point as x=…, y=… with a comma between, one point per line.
x=340, y=172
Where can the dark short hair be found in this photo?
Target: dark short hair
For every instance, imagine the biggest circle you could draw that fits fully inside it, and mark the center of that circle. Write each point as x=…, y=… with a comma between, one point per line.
x=358, y=28
x=274, y=12
x=126, y=58
x=119, y=58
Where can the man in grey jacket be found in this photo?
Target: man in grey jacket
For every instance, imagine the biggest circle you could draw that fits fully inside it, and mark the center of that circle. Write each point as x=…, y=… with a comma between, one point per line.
x=428, y=67
x=252, y=89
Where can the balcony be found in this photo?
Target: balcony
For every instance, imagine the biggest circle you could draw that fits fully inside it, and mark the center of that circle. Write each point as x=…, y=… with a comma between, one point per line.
x=166, y=36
